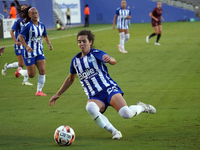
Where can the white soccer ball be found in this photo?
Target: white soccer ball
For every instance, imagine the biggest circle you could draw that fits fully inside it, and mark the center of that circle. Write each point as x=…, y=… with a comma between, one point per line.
x=64, y=135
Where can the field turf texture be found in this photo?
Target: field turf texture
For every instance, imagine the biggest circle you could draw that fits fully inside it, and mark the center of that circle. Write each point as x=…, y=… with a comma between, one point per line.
x=166, y=76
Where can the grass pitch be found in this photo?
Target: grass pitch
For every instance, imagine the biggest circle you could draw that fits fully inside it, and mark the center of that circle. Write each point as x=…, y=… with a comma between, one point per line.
x=166, y=76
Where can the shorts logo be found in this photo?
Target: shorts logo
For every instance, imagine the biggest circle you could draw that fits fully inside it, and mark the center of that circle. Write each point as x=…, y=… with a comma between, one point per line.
x=29, y=61
x=112, y=89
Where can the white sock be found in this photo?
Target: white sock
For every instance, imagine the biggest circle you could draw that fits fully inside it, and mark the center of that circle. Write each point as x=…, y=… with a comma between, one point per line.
x=13, y=65
x=99, y=118
x=121, y=40
x=25, y=79
x=128, y=112
x=24, y=73
x=127, y=37
x=41, y=81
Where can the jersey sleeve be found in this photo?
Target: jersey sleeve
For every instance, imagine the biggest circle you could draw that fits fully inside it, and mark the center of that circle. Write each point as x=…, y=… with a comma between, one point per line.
x=99, y=54
x=117, y=12
x=15, y=25
x=153, y=11
x=25, y=30
x=44, y=32
x=129, y=12
x=72, y=69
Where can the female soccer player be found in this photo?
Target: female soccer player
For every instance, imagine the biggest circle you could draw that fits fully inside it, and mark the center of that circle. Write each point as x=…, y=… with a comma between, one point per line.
x=31, y=38
x=122, y=15
x=99, y=87
x=19, y=49
x=156, y=23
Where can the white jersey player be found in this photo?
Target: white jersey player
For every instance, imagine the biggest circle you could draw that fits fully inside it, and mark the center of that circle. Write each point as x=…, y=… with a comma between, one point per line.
x=102, y=91
x=123, y=16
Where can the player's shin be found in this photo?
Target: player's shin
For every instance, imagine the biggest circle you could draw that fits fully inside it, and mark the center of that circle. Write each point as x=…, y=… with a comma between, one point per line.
x=122, y=37
x=41, y=81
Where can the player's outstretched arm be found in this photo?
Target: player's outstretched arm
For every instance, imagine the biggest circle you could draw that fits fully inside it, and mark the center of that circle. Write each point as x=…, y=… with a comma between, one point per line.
x=107, y=59
x=68, y=82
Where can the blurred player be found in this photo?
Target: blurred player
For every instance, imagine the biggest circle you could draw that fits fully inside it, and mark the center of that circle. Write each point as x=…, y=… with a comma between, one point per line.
x=156, y=23
x=1, y=50
x=31, y=38
x=123, y=14
x=99, y=87
x=19, y=49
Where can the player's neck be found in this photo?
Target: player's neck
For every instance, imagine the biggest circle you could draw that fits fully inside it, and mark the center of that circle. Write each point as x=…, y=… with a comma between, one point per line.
x=35, y=22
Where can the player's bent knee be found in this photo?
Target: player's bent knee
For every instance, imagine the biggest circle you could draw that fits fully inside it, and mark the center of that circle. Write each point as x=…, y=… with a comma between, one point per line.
x=31, y=75
x=91, y=107
x=125, y=112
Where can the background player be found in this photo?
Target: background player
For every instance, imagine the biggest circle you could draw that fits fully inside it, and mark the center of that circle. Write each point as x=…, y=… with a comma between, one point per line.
x=156, y=23
x=31, y=38
x=101, y=90
x=19, y=49
x=123, y=14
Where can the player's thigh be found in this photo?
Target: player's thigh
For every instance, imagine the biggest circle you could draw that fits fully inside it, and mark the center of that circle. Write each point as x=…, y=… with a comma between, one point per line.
x=41, y=64
x=160, y=29
x=31, y=70
x=117, y=101
x=156, y=29
x=126, y=31
x=121, y=30
x=99, y=103
x=20, y=60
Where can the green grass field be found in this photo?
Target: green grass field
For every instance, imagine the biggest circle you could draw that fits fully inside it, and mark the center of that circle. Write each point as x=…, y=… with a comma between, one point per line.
x=166, y=76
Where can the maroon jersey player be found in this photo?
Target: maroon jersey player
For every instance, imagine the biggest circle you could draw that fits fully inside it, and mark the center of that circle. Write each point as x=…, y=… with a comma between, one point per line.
x=156, y=15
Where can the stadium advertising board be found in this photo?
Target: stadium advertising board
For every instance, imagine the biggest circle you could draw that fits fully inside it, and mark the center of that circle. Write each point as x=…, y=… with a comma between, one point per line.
x=74, y=6
x=7, y=25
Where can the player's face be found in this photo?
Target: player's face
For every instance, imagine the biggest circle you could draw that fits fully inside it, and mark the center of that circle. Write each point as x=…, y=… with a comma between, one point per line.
x=159, y=4
x=84, y=44
x=33, y=14
x=123, y=4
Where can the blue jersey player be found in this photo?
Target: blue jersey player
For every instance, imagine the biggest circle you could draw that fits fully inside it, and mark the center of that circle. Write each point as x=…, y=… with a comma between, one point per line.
x=102, y=91
x=123, y=16
x=31, y=38
x=19, y=49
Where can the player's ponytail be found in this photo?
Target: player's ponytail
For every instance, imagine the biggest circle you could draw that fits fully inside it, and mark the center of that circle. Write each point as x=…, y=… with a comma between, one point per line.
x=25, y=12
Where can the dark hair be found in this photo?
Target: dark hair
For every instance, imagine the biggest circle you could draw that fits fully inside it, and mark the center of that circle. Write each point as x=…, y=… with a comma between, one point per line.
x=25, y=12
x=86, y=5
x=12, y=4
x=89, y=34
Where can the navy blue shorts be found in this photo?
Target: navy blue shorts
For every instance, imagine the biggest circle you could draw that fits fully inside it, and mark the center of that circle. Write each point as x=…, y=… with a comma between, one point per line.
x=106, y=94
x=19, y=52
x=31, y=61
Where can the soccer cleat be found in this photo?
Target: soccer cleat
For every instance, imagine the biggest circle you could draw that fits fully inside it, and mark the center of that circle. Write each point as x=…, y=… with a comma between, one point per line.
x=117, y=135
x=124, y=51
x=4, y=70
x=26, y=83
x=17, y=74
x=148, y=108
x=40, y=93
x=119, y=48
x=157, y=43
x=147, y=39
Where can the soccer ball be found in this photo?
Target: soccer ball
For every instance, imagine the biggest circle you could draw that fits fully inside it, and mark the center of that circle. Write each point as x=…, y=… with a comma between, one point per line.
x=64, y=135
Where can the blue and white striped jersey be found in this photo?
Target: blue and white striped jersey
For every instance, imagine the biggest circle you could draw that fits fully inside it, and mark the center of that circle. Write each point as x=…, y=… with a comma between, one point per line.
x=92, y=72
x=33, y=38
x=17, y=27
x=122, y=21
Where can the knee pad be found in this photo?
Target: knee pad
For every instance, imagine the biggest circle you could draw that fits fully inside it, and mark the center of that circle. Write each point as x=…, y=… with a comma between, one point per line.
x=125, y=112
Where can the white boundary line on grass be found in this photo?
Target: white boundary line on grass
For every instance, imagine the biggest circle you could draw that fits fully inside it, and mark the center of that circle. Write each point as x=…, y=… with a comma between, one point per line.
x=58, y=37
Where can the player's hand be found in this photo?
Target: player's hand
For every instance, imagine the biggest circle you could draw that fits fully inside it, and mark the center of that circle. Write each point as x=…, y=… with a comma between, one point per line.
x=163, y=20
x=17, y=43
x=50, y=47
x=29, y=49
x=106, y=58
x=53, y=100
x=113, y=27
x=156, y=19
x=1, y=50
